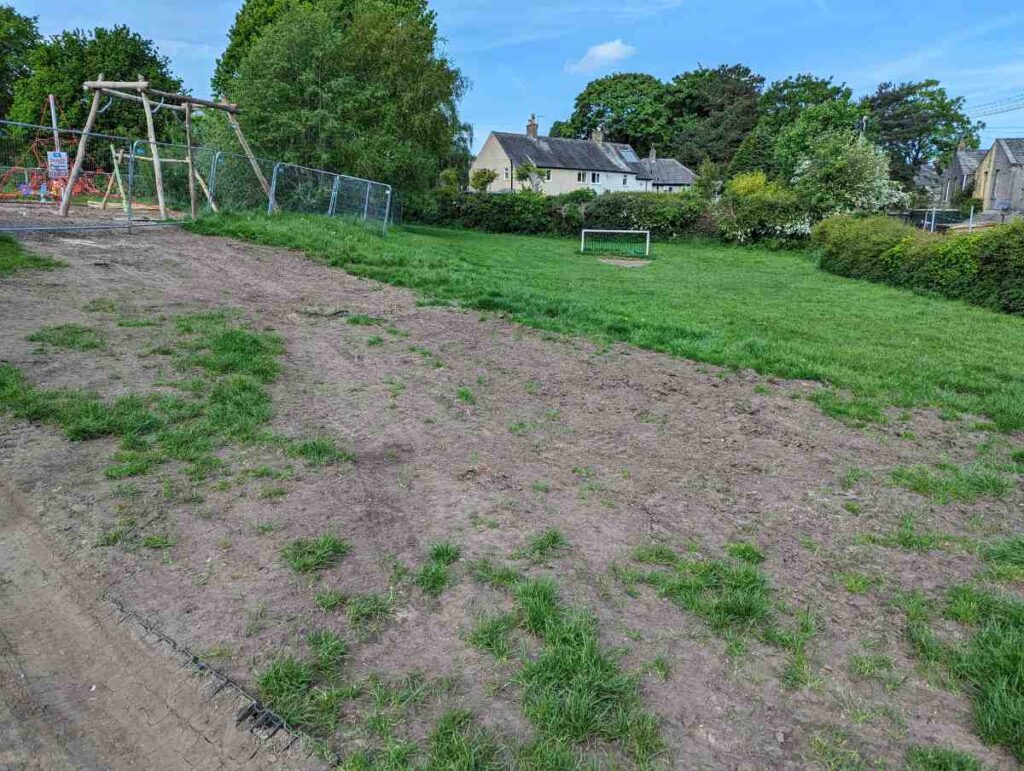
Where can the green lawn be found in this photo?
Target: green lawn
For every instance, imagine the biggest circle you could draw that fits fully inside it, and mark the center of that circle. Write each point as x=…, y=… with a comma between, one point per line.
x=14, y=257
x=774, y=312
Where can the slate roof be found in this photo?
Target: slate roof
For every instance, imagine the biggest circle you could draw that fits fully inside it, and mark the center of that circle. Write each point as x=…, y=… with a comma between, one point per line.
x=666, y=171
x=558, y=153
x=969, y=159
x=1014, y=149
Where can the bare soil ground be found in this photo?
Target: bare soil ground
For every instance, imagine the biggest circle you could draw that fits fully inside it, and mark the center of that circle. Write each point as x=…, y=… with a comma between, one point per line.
x=615, y=447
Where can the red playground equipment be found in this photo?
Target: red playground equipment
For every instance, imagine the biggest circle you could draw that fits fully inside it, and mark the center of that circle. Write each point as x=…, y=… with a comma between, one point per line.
x=40, y=172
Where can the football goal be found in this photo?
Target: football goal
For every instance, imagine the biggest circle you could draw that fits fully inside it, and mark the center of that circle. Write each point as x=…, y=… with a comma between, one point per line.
x=628, y=243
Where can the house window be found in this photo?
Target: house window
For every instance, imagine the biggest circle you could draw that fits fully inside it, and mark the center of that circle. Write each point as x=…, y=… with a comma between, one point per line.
x=625, y=180
x=506, y=172
x=581, y=177
x=544, y=174
x=595, y=178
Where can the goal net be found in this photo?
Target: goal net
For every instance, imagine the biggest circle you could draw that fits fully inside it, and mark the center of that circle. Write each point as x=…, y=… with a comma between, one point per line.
x=627, y=243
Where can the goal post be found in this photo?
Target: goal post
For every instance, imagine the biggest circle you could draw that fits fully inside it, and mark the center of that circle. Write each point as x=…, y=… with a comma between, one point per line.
x=628, y=243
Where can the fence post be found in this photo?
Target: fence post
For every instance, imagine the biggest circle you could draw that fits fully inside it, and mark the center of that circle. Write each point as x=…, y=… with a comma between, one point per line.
x=334, y=195
x=387, y=211
x=271, y=200
x=131, y=182
x=366, y=202
x=970, y=222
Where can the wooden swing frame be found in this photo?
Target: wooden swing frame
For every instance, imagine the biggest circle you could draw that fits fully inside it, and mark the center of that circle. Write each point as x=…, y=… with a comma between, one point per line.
x=139, y=91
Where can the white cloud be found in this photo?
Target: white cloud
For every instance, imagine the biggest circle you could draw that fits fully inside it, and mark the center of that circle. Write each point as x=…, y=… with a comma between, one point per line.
x=601, y=56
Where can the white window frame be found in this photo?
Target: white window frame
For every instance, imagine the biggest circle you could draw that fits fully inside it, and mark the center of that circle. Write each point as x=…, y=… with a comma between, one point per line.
x=625, y=180
x=581, y=177
x=506, y=172
x=595, y=177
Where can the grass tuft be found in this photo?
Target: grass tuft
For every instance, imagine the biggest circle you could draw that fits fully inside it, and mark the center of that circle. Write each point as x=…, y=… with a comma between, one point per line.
x=321, y=451
x=308, y=555
x=932, y=758
x=947, y=483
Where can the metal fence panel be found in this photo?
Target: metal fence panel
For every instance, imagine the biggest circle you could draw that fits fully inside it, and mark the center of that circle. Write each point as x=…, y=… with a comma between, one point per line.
x=118, y=185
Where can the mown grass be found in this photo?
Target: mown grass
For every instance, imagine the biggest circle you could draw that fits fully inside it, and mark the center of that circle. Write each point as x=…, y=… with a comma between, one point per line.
x=988, y=664
x=739, y=307
x=14, y=257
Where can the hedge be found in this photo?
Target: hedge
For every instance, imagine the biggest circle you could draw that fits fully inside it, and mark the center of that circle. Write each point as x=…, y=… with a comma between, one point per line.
x=666, y=215
x=984, y=268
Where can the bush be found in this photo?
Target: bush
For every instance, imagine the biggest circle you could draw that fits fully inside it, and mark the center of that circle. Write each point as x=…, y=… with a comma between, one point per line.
x=666, y=215
x=753, y=208
x=985, y=268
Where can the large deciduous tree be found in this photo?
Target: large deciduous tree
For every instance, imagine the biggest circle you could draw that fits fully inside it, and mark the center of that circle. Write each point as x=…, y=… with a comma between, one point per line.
x=794, y=142
x=61, y=64
x=628, y=106
x=354, y=86
x=18, y=36
x=712, y=110
x=917, y=124
x=785, y=100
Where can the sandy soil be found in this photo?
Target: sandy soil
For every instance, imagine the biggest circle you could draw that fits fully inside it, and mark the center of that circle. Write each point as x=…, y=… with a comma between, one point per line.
x=672, y=450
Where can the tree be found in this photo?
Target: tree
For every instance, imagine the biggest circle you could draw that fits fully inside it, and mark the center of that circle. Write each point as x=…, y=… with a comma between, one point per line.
x=18, y=36
x=917, y=124
x=449, y=179
x=354, y=86
x=711, y=111
x=481, y=179
x=755, y=153
x=628, y=106
x=785, y=100
x=845, y=173
x=794, y=142
x=709, y=179
x=252, y=20
x=528, y=174
x=61, y=64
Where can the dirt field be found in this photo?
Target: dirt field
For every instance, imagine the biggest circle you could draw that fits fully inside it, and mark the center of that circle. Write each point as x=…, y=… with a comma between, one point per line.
x=614, y=447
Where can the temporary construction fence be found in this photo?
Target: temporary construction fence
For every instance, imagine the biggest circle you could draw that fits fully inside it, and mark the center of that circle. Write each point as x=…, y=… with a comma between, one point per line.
x=118, y=189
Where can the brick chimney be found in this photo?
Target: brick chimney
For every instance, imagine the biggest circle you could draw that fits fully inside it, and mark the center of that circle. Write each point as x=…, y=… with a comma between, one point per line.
x=531, y=127
x=598, y=135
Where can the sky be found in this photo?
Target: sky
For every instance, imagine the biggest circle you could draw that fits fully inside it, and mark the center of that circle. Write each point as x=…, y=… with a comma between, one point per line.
x=531, y=56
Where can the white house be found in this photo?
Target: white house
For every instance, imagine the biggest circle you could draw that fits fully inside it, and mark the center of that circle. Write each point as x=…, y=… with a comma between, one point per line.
x=573, y=164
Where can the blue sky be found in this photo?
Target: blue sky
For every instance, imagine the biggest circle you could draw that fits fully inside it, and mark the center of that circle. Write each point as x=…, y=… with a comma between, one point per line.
x=525, y=56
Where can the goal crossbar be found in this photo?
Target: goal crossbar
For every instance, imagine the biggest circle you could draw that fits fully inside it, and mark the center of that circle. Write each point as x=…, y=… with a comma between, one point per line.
x=596, y=240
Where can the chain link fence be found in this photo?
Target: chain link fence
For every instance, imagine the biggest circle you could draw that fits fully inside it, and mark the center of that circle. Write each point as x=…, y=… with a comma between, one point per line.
x=118, y=185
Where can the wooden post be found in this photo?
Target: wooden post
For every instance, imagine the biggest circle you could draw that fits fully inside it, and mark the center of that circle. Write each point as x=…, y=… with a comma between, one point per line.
x=252, y=158
x=118, y=156
x=53, y=122
x=65, y=201
x=157, y=172
x=206, y=191
x=191, y=161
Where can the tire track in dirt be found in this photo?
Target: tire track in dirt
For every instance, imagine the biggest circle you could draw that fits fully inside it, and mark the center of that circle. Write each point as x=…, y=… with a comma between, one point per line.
x=82, y=688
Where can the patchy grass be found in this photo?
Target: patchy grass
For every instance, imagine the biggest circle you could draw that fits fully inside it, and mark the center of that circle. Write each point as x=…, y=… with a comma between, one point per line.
x=987, y=664
x=859, y=583
x=321, y=451
x=543, y=546
x=946, y=482
x=966, y=360
x=366, y=611
x=435, y=575
x=330, y=600
x=745, y=552
x=222, y=401
x=73, y=336
x=465, y=395
x=877, y=667
x=1006, y=559
x=493, y=635
x=14, y=257
x=907, y=536
x=309, y=555
x=158, y=541
x=484, y=571
x=932, y=758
